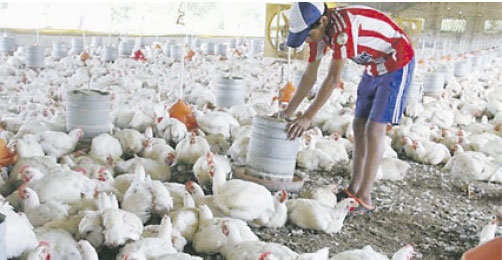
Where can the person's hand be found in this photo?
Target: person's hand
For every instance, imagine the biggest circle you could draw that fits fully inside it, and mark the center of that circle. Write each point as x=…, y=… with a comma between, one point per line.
x=298, y=127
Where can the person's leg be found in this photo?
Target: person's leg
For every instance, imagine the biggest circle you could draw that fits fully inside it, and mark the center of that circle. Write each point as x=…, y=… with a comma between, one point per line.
x=374, y=134
x=388, y=106
x=358, y=153
x=365, y=95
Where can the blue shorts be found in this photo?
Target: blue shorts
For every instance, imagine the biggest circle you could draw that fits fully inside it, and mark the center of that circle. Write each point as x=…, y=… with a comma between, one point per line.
x=382, y=98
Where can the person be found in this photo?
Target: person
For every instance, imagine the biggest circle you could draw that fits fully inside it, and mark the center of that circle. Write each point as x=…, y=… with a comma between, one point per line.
x=370, y=38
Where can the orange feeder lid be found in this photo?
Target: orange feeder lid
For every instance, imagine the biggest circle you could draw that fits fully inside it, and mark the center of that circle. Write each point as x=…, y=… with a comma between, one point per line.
x=84, y=56
x=286, y=93
x=184, y=114
x=189, y=56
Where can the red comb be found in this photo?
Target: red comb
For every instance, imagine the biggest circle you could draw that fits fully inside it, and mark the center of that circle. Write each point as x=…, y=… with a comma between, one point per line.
x=262, y=256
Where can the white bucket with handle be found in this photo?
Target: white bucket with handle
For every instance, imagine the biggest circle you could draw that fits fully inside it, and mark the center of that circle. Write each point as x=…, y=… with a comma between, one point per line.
x=271, y=154
x=90, y=110
x=230, y=91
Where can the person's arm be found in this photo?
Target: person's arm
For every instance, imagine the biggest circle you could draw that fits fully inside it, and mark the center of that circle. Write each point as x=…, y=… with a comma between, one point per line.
x=332, y=79
x=303, y=122
x=307, y=81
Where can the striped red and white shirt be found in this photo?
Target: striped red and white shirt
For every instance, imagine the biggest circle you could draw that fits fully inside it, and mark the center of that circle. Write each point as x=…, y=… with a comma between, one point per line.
x=366, y=36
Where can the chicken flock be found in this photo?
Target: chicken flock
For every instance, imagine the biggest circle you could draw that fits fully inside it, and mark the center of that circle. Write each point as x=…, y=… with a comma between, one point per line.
x=66, y=200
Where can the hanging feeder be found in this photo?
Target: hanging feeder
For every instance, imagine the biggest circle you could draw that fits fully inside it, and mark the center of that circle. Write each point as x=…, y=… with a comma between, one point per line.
x=230, y=91
x=34, y=57
x=7, y=44
x=110, y=53
x=96, y=41
x=90, y=110
x=59, y=49
x=77, y=45
x=184, y=114
x=221, y=49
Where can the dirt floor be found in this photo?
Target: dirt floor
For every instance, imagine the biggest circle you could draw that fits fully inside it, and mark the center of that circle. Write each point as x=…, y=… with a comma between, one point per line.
x=427, y=210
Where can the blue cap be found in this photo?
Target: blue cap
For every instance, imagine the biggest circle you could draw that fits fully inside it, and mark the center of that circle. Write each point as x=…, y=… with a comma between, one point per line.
x=302, y=15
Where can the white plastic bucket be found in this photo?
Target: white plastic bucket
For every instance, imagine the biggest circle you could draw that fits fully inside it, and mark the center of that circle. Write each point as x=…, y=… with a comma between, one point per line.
x=77, y=45
x=96, y=41
x=233, y=43
x=256, y=47
x=139, y=43
x=208, y=48
x=90, y=110
x=7, y=44
x=110, y=53
x=230, y=92
x=59, y=49
x=125, y=48
x=433, y=84
x=271, y=155
x=176, y=52
x=195, y=44
x=221, y=49
x=34, y=56
x=461, y=69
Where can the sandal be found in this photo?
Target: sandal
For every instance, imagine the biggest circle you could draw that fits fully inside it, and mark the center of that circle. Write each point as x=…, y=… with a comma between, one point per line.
x=362, y=208
x=343, y=194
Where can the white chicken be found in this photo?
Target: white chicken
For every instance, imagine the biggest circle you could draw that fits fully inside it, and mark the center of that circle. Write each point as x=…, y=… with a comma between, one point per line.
x=186, y=219
x=19, y=232
x=210, y=239
x=488, y=232
x=333, y=148
x=325, y=194
x=177, y=191
x=392, y=169
x=42, y=163
x=156, y=169
x=197, y=194
x=368, y=252
x=216, y=122
x=238, y=248
x=153, y=246
x=239, y=149
x=122, y=182
x=179, y=242
x=145, y=198
x=172, y=130
x=62, y=245
x=159, y=151
x=28, y=146
x=105, y=149
x=191, y=148
x=59, y=184
x=312, y=158
x=242, y=199
x=110, y=225
x=311, y=214
x=280, y=215
x=130, y=140
x=39, y=214
x=218, y=143
x=470, y=165
x=243, y=113
x=206, y=166
x=58, y=144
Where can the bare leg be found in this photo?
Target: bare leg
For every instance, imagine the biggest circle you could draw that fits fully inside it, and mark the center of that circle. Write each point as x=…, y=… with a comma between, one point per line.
x=374, y=134
x=358, y=153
